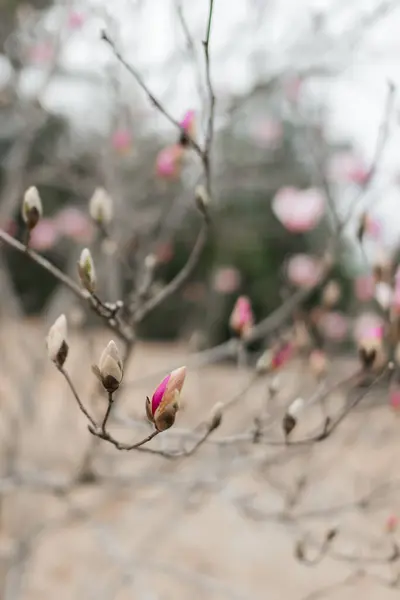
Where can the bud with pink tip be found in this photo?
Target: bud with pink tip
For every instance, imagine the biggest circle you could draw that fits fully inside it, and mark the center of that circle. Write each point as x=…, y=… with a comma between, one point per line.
x=188, y=128
x=162, y=408
x=242, y=319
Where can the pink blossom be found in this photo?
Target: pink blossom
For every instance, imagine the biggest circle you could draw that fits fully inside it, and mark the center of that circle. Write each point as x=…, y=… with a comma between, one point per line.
x=346, y=167
x=304, y=271
x=162, y=408
x=44, y=236
x=242, y=319
x=121, y=140
x=394, y=396
x=268, y=133
x=169, y=162
x=188, y=123
x=42, y=52
x=368, y=325
x=299, y=210
x=226, y=280
x=282, y=355
x=75, y=19
x=73, y=223
x=334, y=325
x=364, y=287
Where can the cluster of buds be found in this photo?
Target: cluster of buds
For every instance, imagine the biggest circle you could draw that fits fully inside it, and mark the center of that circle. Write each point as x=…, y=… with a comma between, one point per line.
x=242, y=319
x=86, y=271
x=162, y=408
x=32, y=208
x=101, y=207
x=56, y=342
x=110, y=370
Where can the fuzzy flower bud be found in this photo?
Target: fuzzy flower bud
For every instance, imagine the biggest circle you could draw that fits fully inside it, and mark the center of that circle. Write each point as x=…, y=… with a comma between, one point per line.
x=110, y=370
x=162, y=408
x=101, y=207
x=32, y=208
x=202, y=199
x=331, y=294
x=56, y=341
x=242, y=319
x=318, y=363
x=188, y=128
x=290, y=419
x=370, y=349
x=216, y=414
x=87, y=271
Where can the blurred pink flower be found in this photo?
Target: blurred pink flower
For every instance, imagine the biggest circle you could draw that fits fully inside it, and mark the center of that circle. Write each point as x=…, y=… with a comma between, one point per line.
x=226, y=280
x=298, y=210
x=76, y=19
x=242, y=319
x=121, y=140
x=394, y=396
x=41, y=53
x=368, y=325
x=334, y=326
x=169, y=162
x=188, y=123
x=268, y=133
x=44, y=236
x=364, y=287
x=346, y=167
x=304, y=271
x=75, y=224
x=282, y=355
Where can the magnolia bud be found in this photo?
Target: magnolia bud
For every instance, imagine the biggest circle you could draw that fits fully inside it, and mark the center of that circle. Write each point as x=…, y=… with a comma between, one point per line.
x=331, y=294
x=290, y=419
x=371, y=352
x=101, y=207
x=383, y=294
x=32, y=208
x=202, y=199
x=162, y=408
x=216, y=414
x=87, y=271
x=109, y=370
x=56, y=341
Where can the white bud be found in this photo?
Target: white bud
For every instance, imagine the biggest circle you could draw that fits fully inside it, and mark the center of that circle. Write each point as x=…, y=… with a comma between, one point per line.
x=383, y=294
x=87, y=271
x=32, y=208
x=296, y=407
x=101, y=207
x=215, y=417
x=56, y=341
x=202, y=199
x=110, y=370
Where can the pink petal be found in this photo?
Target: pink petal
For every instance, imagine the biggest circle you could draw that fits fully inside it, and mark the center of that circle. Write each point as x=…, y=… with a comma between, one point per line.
x=242, y=315
x=304, y=271
x=159, y=394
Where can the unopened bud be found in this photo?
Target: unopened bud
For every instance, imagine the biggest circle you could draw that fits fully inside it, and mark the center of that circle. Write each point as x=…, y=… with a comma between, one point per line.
x=371, y=351
x=331, y=294
x=290, y=419
x=318, y=363
x=87, y=271
x=56, y=341
x=32, y=208
x=109, y=370
x=101, y=207
x=202, y=199
x=215, y=418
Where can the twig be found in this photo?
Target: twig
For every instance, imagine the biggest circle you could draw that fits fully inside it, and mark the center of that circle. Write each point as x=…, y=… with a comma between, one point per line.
x=210, y=126
x=76, y=396
x=105, y=435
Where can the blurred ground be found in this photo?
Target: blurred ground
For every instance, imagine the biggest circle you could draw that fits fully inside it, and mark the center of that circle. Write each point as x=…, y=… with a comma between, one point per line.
x=223, y=523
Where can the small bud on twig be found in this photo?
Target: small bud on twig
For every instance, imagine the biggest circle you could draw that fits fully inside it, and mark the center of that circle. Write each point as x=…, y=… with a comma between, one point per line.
x=56, y=341
x=290, y=418
x=110, y=370
x=331, y=294
x=32, y=208
x=101, y=207
x=216, y=414
x=202, y=198
x=87, y=271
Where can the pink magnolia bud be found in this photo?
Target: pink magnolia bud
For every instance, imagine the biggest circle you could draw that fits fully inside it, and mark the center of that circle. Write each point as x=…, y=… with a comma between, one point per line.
x=282, y=355
x=188, y=127
x=121, y=140
x=242, y=319
x=299, y=210
x=169, y=162
x=162, y=408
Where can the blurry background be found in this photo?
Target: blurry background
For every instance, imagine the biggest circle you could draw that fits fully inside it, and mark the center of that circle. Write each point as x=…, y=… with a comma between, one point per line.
x=302, y=113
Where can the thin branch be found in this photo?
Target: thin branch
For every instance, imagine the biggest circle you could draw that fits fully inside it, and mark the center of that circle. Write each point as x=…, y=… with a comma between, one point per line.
x=150, y=95
x=210, y=126
x=105, y=435
x=76, y=396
